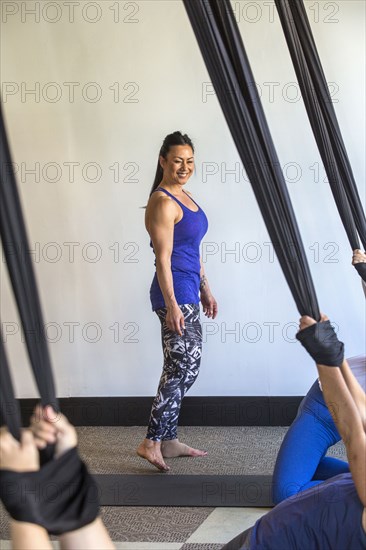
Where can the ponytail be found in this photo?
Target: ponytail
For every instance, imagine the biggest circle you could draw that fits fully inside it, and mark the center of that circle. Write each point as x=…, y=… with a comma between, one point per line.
x=158, y=177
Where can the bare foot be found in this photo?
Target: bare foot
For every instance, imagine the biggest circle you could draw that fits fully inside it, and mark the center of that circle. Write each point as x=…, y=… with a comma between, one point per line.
x=174, y=448
x=151, y=451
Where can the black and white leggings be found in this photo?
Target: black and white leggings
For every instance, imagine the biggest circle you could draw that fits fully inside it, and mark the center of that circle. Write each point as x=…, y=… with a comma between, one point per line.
x=182, y=358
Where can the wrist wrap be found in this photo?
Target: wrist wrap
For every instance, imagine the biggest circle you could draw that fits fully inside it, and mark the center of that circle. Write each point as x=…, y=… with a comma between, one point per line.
x=321, y=342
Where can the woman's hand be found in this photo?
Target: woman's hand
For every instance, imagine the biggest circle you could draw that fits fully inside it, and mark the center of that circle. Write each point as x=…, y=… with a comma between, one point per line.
x=358, y=257
x=50, y=427
x=175, y=319
x=209, y=304
x=306, y=321
x=18, y=456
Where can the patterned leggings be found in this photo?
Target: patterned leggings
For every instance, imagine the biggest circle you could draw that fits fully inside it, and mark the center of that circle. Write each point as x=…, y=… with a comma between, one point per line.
x=182, y=358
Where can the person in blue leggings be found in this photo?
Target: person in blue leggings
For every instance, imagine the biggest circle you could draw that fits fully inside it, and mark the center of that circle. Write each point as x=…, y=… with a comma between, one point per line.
x=332, y=515
x=301, y=462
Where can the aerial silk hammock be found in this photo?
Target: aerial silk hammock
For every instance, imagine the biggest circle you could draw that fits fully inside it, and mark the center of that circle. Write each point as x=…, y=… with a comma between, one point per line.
x=74, y=502
x=9, y=407
x=223, y=51
x=224, y=54
x=323, y=121
x=15, y=246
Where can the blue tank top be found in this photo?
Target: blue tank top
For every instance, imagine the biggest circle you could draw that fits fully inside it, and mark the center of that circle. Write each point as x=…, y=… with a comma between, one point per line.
x=333, y=513
x=185, y=258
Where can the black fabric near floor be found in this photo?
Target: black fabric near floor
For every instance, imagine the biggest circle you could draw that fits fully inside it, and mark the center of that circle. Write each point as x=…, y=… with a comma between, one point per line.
x=195, y=411
x=178, y=490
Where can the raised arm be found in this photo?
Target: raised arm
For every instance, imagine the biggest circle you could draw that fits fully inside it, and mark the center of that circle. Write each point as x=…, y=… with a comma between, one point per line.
x=341, y=403
x=161, y=216
x=349, y=423
x=358, y=395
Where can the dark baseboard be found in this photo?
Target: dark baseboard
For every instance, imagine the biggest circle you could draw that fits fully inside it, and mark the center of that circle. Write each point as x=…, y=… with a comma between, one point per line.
x=196, y=411
x=185, y=490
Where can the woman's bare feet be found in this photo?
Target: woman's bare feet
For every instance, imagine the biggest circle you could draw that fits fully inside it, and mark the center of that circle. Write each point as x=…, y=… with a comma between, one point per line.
x=174, y=448
x=151, y=451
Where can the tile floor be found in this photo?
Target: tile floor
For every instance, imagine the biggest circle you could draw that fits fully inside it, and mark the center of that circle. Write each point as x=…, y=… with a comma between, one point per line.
x=220, y=526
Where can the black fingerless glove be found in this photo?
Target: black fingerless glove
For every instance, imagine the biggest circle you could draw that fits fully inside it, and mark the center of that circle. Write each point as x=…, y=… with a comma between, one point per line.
x=62, y=496
x=361, y=270
x=321, y=342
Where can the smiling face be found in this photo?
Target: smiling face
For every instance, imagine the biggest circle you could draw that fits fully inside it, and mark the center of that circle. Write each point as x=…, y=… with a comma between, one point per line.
x=178, y=166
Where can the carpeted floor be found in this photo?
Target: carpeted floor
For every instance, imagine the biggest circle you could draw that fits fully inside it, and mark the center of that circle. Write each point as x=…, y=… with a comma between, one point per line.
x=232, y=451
x=148, y=524
x=153, y=524
x=245, y=450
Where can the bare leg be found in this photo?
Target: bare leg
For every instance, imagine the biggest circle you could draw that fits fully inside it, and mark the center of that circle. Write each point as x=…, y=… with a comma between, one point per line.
x=92, y=536
x=174, y=448
x=151, y=451
x=29, y=536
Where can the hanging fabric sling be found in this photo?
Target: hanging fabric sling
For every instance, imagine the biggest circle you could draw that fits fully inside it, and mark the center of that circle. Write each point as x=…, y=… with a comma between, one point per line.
x=28, y=496
x=62, y=495
x=323, y=120
x=16, y=247
x=9, y=406
x=223, y=51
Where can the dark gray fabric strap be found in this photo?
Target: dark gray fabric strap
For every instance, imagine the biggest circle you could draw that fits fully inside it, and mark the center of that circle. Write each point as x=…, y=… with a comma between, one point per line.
x=15, y=245
x=9, y=406
x=219, y=39
x=322, y=117
x=361, y=270
x=62, y=496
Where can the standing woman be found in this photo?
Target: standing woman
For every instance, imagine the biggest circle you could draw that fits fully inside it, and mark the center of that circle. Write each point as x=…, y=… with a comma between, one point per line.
x=176, y=225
